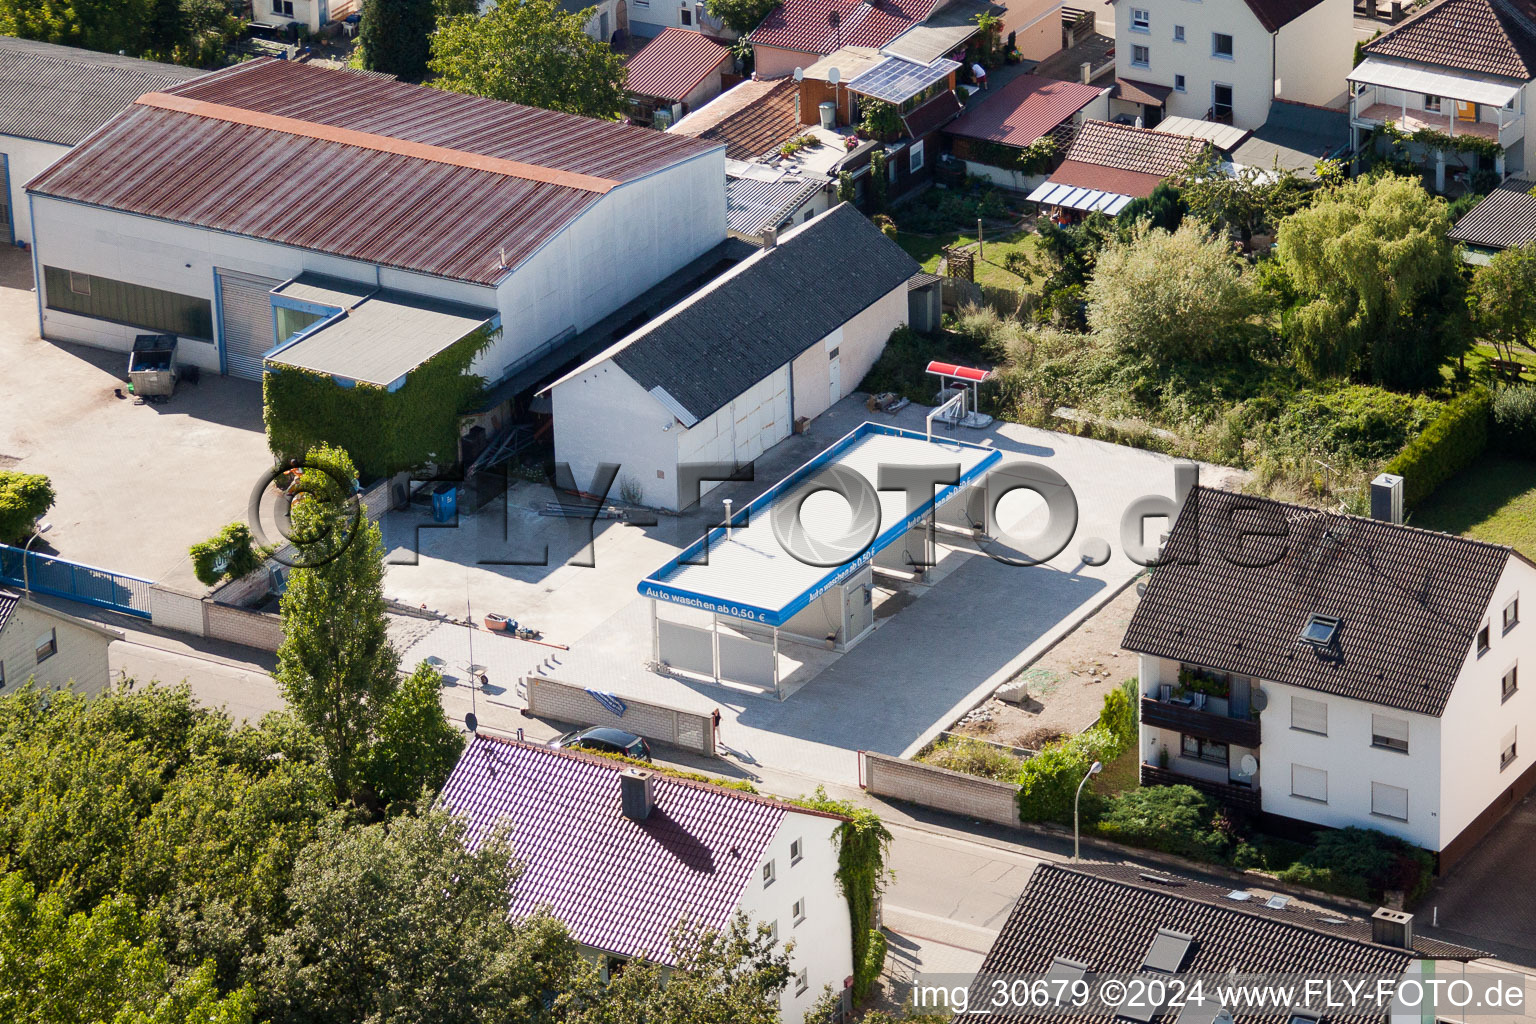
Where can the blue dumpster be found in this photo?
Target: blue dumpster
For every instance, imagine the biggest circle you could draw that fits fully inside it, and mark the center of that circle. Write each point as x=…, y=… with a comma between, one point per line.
x=445, y=502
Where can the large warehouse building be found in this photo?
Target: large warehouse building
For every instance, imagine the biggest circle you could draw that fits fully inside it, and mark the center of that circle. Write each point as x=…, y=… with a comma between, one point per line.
x=188, y=210
x=724, y=375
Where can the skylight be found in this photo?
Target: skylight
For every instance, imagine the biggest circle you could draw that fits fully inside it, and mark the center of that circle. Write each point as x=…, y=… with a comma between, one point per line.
x=1320, y=630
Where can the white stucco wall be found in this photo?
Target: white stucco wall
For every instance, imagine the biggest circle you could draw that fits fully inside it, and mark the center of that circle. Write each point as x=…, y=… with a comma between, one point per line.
x=1477, y=719
x=1249, y=72
x=81, y=657
x=601, y=416
x=823, y=940
x=859, y=343
x=1314, y=55
x=1036, y=25
x=25, y=160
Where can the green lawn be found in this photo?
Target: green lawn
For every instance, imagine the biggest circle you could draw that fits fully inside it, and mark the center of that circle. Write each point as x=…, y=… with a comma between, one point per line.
x=928, y=250
x=1478, y=356
x=1495, y=501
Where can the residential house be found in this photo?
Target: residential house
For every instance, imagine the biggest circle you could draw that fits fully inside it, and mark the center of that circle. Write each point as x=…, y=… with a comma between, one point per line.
x=1228, y=60
x=1505, y=219
x=624, y=856
x=1110, y=164
x=726, y=374
x=161, y=223
x=677, y=72
x=648, y=18
x=1024, y=111
x=51, y=99
x=1458, y=69
x=1333, y=670
x=797, y=33
x=1090, y=921
x=51, y=647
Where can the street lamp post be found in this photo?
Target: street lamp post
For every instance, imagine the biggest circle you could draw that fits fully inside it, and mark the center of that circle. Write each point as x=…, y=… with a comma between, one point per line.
x=1093, y=770
x=26, y=549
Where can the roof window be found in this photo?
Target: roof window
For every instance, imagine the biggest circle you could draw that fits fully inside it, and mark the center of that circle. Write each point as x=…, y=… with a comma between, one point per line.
x=1320, y=630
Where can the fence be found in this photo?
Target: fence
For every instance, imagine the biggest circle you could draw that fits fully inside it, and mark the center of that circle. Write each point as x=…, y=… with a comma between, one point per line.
x=60, y=577
x=565, y=702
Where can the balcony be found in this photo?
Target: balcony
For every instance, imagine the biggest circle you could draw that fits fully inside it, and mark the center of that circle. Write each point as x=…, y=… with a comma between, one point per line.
x=1373, y=107
x=1240, y=798
x=1211, y=722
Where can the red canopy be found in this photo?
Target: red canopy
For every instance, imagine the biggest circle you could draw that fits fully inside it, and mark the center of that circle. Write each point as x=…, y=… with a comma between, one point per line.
x=958, y=372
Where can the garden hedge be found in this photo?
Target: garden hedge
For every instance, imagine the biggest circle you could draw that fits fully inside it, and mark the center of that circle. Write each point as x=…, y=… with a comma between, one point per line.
x=24, y=498
x=1513, y=428
x=1451, y=443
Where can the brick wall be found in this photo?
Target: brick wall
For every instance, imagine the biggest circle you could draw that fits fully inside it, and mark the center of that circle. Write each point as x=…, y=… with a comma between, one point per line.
x=941, y=789
x=263, y=631
x=172, y=609
x=567, y=703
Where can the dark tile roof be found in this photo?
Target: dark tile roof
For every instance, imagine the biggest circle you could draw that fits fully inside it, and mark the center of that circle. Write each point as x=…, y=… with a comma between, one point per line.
x=1023, y=110
x=804, y=24
x=1505, y=219
x=619, y=885
x=767, y=311
x=673, y=63
x=1133, y=91
x=932, y=115
x=1276, y=14
x=9, y=599
x=1248, y=573
x=752, y=119
x=513, y=176
x=61, y=94
x=1491, y=37
x=1108, y=923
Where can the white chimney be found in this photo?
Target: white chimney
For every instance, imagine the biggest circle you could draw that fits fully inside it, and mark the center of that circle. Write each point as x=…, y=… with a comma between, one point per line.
x=1392, y=928
x=1087, y=72
x=1387, y=498
x=637, y=795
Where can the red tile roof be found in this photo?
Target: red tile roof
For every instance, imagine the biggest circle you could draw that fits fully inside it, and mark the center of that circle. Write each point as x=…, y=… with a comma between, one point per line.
x=268, y=121
x=1129, y=148
x=759, y=117
x=673, y=63
x=804, y=24
x=1481, y=36
x=1105, y=179
x=1024, y=110
x=619, y=885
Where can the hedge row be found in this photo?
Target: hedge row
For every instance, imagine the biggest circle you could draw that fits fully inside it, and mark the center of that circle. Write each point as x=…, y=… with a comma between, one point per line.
x=1447, y=446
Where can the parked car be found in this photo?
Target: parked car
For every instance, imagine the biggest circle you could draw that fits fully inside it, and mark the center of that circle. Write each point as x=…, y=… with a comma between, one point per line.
x=611, y=741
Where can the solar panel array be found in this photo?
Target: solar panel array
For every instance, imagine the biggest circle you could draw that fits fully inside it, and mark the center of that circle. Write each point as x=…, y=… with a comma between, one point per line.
x=1074, y=198
x=896, y=81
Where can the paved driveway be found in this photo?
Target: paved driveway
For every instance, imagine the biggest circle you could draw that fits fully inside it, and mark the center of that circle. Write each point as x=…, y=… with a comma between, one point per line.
x=1488, y=901
x=137, y=484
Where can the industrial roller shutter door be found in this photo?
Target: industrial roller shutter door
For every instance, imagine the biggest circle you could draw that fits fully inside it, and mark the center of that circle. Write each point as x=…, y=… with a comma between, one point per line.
x=245, y=322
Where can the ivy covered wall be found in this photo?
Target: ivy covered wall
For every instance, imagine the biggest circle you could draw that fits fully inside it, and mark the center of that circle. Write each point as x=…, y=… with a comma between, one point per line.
x=384, y=431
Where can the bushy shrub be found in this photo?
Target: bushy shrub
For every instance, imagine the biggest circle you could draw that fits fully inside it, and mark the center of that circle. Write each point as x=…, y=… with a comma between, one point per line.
x=24, y=498
x=1362, y=863
x=1048, y=781
x=1174, y=819
x=229, y=555
x=1447, y=446
x=1513, y=428
x=974, y=757
x=1119, y=715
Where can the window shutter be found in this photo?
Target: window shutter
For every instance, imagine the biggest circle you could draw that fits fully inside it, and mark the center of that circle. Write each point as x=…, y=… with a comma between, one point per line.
x=1309, y=715
x=1389, y=801
x=1311, y=783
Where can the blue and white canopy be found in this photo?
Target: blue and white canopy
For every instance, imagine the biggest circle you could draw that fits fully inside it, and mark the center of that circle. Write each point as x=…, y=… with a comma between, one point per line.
x=1074, y=198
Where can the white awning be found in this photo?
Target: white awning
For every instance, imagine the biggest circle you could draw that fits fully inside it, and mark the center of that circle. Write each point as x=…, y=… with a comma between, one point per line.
x=1074, y=198
x=1452, y=84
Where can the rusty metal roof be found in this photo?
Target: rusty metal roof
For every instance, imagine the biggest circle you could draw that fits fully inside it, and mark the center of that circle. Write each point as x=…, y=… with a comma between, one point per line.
x=61, y=94
x=360, y=166
x=1024, y=110
x=673, y=63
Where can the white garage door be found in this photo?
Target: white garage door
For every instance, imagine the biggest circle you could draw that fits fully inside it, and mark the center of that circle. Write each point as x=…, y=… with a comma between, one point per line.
x=762, y=417
x=246, y=321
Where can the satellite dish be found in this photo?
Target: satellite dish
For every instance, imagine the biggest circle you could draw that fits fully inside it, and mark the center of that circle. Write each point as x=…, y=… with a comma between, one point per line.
x=1258, y=700
x=799, y=74
x=471, y=723
x=834, y=76
x=1248, y=766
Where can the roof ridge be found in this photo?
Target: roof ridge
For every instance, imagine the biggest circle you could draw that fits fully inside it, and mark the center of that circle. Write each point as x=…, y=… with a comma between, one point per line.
x=661, y=776
x=375, y=142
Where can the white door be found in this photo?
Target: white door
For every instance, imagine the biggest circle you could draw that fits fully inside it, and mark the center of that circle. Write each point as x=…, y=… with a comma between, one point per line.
x=245, y=322
x=835, y=375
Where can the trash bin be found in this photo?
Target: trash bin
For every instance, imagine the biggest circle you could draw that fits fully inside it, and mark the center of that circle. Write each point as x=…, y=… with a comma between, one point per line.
x=152, y=364
x=828, y=111
x=445, y=502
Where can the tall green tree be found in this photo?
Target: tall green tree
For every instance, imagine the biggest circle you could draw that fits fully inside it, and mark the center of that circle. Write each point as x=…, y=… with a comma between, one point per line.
x=336, y=667
x=24, y=499
x=531, y=52
x=1249, y=200
x=415, y=745
x=733, y=976
x=404, y=921
x=1377, y=286
x=1503, y=301
x=395, y=37
x=1208, y=309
